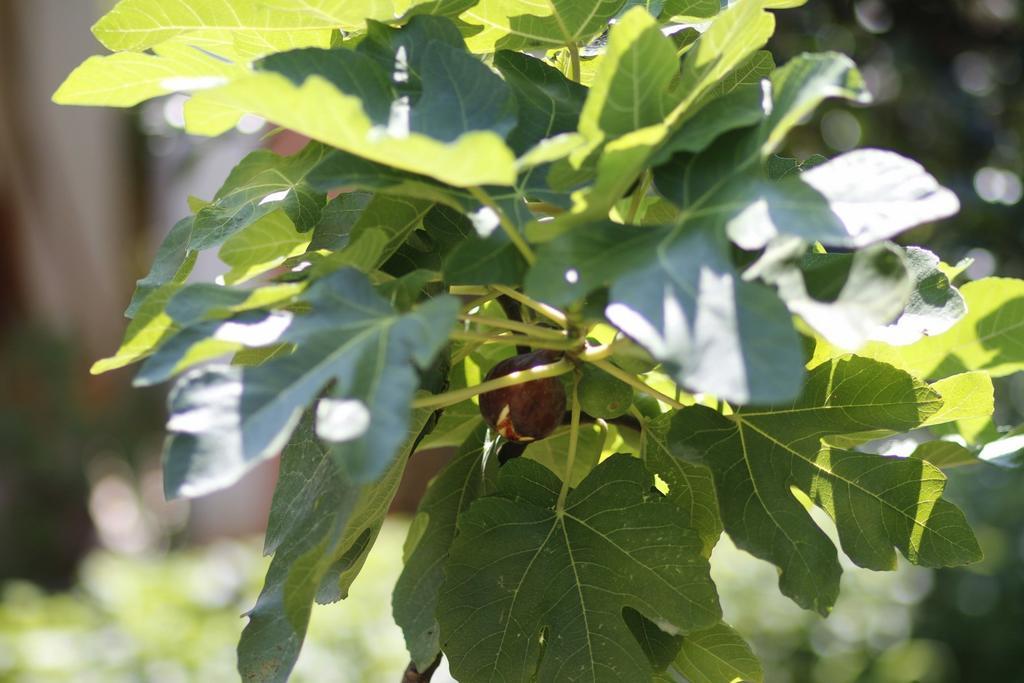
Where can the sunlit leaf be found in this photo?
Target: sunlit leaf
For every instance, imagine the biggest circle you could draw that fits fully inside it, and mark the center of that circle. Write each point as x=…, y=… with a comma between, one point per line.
x=877, y=502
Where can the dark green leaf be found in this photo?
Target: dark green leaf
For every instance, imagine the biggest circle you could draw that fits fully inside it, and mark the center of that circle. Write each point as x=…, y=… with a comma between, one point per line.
x=172, y=263
x=718, y=655
x=566, y=576
x=548, y=102
x=690, y=485
x=443, y=230
x=225, y=419
x=478, y=261
x=337, y=220
x=676, y=292
x=415, y=597
x=322, y=525
x=261, y=183
x=757, y=455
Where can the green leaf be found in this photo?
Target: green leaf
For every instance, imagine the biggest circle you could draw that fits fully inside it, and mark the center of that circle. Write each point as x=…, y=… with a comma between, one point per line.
x=416, y=593
x=338, y=219
x=718, y=655
x=968, y=396
x=848, y=297
x=324, y=113
x=207, y=301
x=456, y=424
x=935, y=304
x=632, y=87
x=738, y=109
x=260, y=184
x=261, y=246
x=945, y=454
x=225, y=419
x=515, y=24
x=751, y=71
x=1005, y=452
x=382, y=227
x=347, y=171
x=125, y=79
x=553, y=450
x=734, y=35
x=150, y=327
x=854, y=200
x=986, y=338
x=443, y=231
x=140, y=24
x=453, y=130
x=172, y=263
x=690, y=8
x=568, y=575
x=660, y=647
x=548, y=102
x=477, y=261
x=322, y=525
x=676, y=292
x=690, y=485
x=801, y=85
x=757, y=455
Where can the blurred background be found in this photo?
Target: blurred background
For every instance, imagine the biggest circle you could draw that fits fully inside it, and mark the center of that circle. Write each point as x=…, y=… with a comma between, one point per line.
x=101, y=580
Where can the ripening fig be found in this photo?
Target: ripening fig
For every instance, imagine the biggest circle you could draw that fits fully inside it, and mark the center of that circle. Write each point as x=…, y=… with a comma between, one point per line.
x=528, y=411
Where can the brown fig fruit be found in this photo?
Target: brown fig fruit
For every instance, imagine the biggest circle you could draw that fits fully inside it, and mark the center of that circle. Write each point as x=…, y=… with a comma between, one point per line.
x=528, y=411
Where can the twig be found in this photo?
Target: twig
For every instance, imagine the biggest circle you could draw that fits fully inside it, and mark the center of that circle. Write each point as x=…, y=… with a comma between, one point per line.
x=511, y=339
x=510, y=380
x=574, y=437
x=513, y=233
x=574, y=59
x=548, y=312
x=513, y=325
x=632, y=380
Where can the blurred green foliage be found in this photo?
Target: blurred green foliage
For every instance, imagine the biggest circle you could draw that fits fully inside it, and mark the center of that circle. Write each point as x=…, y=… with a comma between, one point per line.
x=176, y=619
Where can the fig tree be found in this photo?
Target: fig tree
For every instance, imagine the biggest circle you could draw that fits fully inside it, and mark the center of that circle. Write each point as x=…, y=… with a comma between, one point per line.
x=603, y=396
x=528, y=411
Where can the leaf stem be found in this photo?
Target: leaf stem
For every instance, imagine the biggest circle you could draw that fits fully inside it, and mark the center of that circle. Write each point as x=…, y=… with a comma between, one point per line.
x=548, y=312
x=545, y=207
x=450, y=398
x=596, y=353
x=511, y=339
x=638, y=197
x=635, y=412
x=515, y=326
x=574, y=438
x=477, y=302
x=574, y=60
x=467, y=290
x=634, y=382
x=513, y=233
